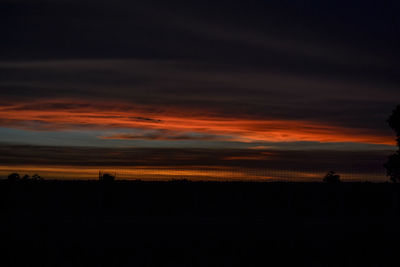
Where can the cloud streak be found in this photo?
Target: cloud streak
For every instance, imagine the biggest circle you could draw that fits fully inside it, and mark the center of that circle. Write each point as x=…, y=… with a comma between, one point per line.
x=174, y=124
x=165, y=135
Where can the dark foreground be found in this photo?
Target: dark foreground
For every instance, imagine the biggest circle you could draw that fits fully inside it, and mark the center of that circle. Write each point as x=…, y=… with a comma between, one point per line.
x=55, y=223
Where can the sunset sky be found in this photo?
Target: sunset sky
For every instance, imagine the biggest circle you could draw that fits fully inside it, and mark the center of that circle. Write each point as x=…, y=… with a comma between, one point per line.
x=301, y=86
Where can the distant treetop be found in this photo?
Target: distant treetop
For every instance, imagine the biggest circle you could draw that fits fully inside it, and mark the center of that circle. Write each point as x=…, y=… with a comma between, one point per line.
x=394, y=120
x=16, y=177
x=13, y=176
x=106, y=177
x=332, y=177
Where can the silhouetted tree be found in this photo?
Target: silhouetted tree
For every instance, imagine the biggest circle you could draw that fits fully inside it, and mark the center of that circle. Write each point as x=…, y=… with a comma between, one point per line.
x=393, y=167
x=25, y=177
x=106, y=177
x=13, y=177
x=393, y=164
x=332, y=177
x=394, y=123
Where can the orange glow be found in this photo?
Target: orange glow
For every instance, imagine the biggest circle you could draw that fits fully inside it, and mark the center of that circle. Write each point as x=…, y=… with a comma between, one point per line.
x=193, y=173
x=154, y=173
x=67, y=115
x=253, y=157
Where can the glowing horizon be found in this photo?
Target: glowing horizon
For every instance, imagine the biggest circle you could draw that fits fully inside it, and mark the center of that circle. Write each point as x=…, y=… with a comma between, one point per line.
x=192, y=173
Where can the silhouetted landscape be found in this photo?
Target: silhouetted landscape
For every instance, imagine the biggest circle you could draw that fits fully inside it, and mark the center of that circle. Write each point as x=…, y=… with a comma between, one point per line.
x=182, y=223
x=199, y=133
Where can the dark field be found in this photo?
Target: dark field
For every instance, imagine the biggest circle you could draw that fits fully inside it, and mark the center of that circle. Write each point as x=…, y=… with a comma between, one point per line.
x=82, y=223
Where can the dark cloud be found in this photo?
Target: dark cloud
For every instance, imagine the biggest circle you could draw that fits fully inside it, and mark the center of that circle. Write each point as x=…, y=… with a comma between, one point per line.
x=145, y=119
x=164, y=135
x=159, y=84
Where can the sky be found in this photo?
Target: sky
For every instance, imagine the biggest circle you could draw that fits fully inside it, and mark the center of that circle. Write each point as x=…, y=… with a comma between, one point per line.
x=301, y=86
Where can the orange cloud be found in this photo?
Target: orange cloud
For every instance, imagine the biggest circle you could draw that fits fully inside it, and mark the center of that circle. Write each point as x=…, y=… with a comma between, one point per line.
x=71, y=114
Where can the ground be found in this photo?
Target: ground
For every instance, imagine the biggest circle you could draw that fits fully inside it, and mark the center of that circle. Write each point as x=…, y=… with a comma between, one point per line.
x=181, y=223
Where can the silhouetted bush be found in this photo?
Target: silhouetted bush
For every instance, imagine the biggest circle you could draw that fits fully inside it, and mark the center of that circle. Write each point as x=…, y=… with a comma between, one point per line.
x=13, y=177
x=332, y=177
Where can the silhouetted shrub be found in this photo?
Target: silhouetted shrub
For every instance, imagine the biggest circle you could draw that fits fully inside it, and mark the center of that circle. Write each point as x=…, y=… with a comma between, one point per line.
x=13, y=177
x=332, y=177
